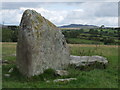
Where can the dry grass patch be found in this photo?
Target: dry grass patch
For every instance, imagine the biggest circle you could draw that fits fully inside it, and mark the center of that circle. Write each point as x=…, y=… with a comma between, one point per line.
x=88, y=45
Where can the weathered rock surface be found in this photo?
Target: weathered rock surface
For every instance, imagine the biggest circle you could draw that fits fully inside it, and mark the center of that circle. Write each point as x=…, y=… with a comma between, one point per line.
x=7, y=75
x=4, y=62
x=10, y=70
x=88, y=60
x=64, y=80
x=41, y=45
x=61, y=72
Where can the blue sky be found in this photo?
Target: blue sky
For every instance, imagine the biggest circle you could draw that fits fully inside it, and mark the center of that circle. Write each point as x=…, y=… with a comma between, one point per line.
x=94, y=13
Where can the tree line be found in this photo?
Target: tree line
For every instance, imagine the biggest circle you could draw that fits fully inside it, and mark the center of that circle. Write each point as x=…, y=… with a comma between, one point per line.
x=10, y=34
x=107, y=36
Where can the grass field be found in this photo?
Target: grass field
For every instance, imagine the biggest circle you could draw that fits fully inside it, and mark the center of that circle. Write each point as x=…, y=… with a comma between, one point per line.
x=82, y=41
x=97, y=78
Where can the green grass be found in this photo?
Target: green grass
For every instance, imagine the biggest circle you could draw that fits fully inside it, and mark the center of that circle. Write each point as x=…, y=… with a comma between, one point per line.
x=81, y=41
x=96, y=78
x=8, y=51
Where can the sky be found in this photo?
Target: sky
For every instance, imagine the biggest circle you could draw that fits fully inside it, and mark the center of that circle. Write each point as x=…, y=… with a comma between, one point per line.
x=63, y=13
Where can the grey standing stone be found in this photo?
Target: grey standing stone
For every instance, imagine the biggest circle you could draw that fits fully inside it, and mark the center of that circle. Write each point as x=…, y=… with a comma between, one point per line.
x=41, y=45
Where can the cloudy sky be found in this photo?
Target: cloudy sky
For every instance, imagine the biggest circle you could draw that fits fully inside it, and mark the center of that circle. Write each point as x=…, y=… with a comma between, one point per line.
x=63, y=13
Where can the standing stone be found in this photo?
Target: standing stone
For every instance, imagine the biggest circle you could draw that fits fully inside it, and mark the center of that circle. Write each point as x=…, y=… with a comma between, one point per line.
x=41, y=45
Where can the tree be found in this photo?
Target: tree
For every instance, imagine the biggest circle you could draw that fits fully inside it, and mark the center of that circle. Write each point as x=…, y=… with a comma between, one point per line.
x=109, y=40
x=9, y=35
x=6, y=35
x=91, y=31
x=102, y=26
x=81, y=30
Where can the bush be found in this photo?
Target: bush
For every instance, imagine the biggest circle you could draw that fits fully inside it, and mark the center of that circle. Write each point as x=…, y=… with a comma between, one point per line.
x=9, y=35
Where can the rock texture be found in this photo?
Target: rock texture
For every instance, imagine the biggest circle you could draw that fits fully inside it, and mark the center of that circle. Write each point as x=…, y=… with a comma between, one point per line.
x=7, y=75
x=10, y=70
x=64, y=80
x=61, y=72
x=41, y=45
x=4, y=62
x=79, y=61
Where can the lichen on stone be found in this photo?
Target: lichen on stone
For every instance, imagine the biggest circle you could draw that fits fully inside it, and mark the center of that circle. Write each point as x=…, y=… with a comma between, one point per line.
x=51, y=24
x=40, y=18
x=39, y=47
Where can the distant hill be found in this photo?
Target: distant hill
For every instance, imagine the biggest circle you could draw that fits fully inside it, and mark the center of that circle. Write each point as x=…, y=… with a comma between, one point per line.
x=81, y=26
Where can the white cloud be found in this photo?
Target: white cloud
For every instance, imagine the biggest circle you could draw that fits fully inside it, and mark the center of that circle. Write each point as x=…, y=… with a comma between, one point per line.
x=11, y=16
x=86, y=13
x=54, y=16
x=60, y=0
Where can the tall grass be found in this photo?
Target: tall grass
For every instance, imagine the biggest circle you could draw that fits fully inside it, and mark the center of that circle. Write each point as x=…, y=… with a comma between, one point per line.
x=96, y=78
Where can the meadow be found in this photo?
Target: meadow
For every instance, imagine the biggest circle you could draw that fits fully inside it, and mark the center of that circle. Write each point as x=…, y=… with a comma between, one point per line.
x=96, y=78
